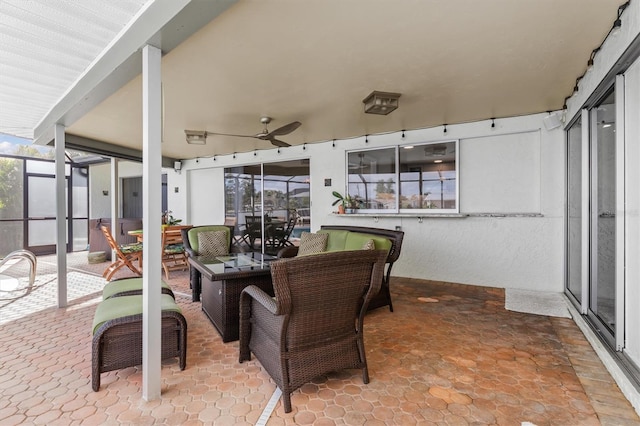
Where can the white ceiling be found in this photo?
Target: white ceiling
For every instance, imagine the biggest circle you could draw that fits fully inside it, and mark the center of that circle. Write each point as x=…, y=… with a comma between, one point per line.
x=315, y=61
x=45, y=46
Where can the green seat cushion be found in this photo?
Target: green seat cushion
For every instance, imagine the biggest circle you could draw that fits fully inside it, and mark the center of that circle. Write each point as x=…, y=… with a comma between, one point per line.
x=127, y=284
x=192, y=234
x=174, y=249
x=118, y=307
x=356, y=240
x=131, y=248
x=337, y=239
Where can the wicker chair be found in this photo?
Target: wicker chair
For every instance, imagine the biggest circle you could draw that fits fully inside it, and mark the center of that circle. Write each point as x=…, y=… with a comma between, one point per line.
x=315, y=324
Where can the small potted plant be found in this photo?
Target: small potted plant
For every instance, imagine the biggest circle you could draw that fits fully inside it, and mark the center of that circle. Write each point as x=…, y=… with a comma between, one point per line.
x=348, y=203
x=339, y=199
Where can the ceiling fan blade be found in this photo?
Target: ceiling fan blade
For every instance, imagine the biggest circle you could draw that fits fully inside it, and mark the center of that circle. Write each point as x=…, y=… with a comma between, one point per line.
x=286, y=129
x=279, y=143
x=229, y=134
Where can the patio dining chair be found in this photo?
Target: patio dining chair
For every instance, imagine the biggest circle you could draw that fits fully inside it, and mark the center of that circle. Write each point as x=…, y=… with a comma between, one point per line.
x=174, y=257
x=315, y=323
x=126, y=255
x=278, y=236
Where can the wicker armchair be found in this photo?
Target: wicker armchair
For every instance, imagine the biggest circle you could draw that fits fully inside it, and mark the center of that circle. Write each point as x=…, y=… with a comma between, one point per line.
x=314, y=325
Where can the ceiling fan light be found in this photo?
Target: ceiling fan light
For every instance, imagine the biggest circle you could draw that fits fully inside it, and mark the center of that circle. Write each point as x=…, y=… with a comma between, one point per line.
x=381, y=103
x=196, y=137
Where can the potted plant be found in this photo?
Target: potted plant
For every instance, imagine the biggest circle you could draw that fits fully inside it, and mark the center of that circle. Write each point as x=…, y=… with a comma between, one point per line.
x=348, y=203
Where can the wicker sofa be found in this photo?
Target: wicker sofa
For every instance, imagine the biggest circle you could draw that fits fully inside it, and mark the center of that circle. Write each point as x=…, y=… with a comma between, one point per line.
x=352, y=237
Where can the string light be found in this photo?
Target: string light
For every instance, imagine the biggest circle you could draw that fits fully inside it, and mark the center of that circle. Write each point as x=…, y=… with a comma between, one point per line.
x=333, y=143
x=493, y=123
x=214, y=158
x=366, y=138
x=304, y=147
x=234, y=155
x=255, y=152
x=445, y=128
x=402, y=134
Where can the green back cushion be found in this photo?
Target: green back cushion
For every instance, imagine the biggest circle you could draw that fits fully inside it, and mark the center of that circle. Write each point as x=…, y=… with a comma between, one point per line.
x=356, y=240
x=193, y=235
x=346, y=240
x=337, y=239
x=118, y=307
x=127, y=284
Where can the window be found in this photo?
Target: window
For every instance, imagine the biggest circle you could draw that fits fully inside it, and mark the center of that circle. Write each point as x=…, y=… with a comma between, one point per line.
x=417, y=178
x=429, y=177
x=372, y=177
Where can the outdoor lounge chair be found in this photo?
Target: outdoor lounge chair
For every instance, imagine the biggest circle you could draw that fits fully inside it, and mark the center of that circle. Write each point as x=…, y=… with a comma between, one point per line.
x=125, y=255
x=315, y=324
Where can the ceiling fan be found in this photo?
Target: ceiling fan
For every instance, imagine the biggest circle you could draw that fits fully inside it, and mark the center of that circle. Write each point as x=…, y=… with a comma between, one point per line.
x=265, y=135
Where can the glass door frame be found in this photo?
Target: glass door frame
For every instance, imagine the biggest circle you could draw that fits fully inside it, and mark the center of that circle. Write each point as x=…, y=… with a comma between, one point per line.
x=613, y=335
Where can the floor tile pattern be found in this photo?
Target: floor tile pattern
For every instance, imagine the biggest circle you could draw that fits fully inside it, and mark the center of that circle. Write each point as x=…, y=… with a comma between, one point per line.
x=448, y=355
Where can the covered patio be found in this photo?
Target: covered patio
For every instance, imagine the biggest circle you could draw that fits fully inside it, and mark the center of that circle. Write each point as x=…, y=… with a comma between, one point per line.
x=531, y=107
x=448, y=354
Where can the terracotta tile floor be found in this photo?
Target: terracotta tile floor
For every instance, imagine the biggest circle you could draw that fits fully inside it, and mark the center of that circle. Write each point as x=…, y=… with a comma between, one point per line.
x=449, y=354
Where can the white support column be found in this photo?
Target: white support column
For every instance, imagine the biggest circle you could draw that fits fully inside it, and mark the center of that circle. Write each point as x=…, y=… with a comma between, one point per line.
x=151, y=213
x=115, y=200
x=61, y=215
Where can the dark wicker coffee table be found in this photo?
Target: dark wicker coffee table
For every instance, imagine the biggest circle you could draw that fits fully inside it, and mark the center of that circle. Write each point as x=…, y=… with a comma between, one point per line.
x=222, y=279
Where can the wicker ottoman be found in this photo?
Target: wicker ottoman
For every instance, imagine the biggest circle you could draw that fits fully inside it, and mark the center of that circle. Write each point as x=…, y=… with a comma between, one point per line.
x=117, y=334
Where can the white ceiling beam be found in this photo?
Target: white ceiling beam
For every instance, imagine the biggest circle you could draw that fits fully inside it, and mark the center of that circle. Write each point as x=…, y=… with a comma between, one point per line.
x=147, y=24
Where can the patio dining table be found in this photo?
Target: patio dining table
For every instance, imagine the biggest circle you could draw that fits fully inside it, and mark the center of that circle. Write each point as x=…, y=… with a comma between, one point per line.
x=139, y=234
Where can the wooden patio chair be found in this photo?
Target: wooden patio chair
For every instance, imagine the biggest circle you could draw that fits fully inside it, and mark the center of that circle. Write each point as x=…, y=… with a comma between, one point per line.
x=315, y=323
x=174, y=257
x=125, y=255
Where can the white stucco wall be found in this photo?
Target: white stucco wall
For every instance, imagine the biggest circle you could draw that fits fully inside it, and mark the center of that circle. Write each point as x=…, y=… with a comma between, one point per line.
x=515, y=171
x=100, y=180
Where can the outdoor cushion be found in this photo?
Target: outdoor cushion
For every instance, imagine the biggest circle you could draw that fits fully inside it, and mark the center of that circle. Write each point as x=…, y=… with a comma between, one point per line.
x=336, y=239
x=369, y=245
x=355, y=241
x=125, y=285
x=213, y=243
x=118, y=307
x=340, y=240
x=312, y=243
x=193, y=235
x=174, y=249
x=131, y=248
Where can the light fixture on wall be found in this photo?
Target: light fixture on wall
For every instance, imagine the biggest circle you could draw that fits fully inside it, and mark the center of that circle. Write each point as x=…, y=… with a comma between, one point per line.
x=381, y=103
x=177, y=166
x=196, y=137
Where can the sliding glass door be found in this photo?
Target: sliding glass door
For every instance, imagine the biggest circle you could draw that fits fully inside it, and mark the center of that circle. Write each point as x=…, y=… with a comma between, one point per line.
x=260, y=196
x=591, y=251
x=603, y=216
